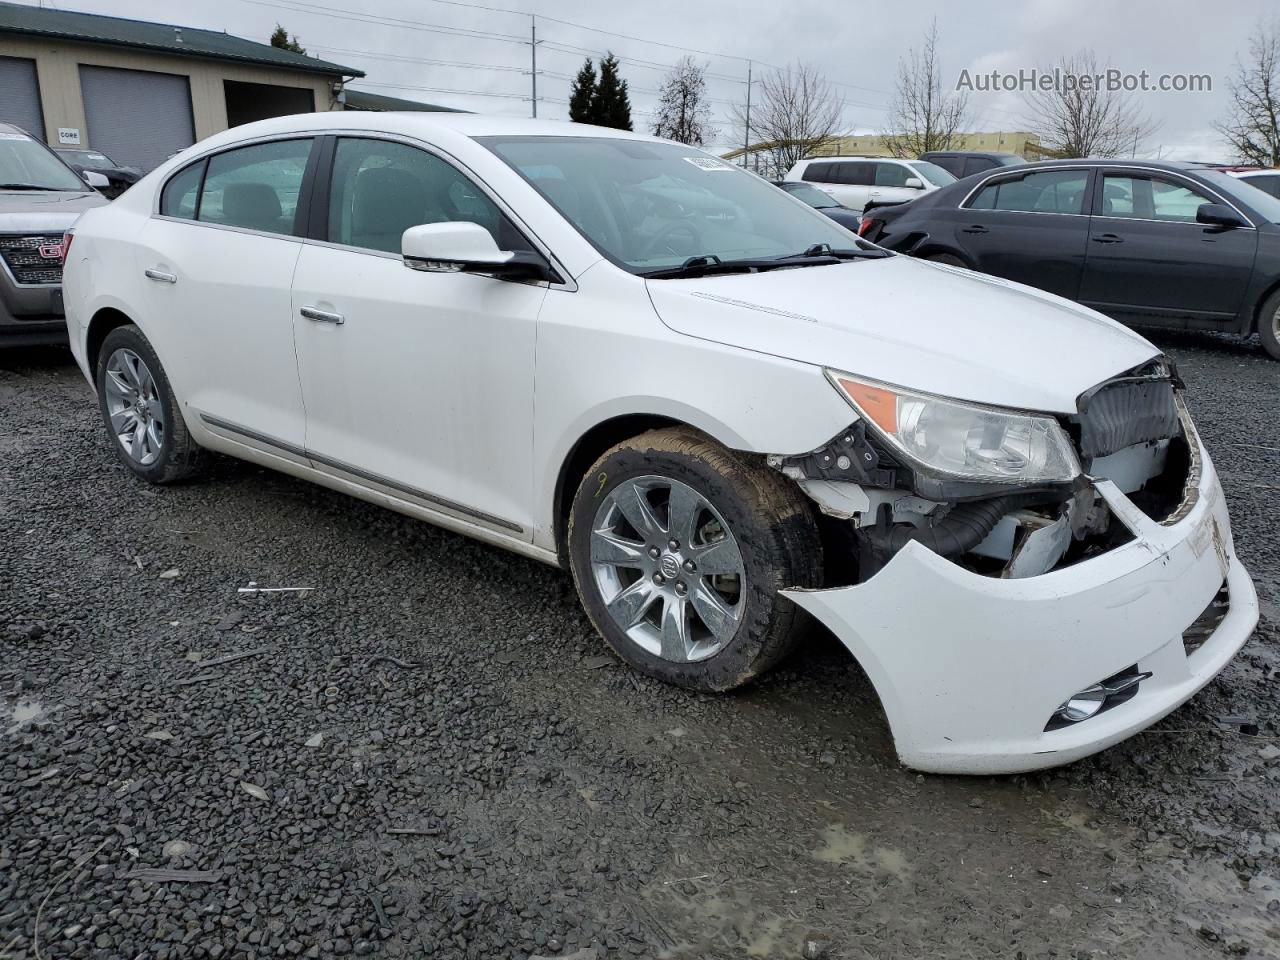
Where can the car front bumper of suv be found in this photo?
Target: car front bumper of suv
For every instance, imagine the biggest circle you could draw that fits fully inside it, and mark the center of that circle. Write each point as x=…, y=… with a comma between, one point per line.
x=971, y=669
x=30, y=315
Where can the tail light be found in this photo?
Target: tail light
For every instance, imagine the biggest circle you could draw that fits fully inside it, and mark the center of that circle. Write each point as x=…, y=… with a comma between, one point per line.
x=66, y=245
x=868, y=225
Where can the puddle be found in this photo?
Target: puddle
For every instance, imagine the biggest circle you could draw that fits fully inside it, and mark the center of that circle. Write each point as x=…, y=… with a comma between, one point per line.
x=13, y=717
x=844, y=847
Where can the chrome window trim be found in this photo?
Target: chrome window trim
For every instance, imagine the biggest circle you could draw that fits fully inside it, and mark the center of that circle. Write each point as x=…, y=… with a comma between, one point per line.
x=1103, y=171
x=568, y=283
x=427, y=498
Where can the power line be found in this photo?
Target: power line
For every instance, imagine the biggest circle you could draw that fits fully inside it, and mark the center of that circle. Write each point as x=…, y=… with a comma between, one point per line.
x=460, y=93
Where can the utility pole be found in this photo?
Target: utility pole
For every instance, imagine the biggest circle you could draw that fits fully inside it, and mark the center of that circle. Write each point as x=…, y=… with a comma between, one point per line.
x=533, y=57
x=746, y=133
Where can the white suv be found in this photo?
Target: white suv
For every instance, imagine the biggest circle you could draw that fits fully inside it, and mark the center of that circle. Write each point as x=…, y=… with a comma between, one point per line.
x=712, y=405
x=858, y=181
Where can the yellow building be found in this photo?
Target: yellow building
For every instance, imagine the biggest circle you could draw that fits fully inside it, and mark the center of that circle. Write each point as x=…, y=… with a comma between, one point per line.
x=999, y=141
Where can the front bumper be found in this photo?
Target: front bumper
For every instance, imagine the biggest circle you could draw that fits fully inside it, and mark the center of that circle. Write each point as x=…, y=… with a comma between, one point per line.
x=30, y=314
x=970, y=669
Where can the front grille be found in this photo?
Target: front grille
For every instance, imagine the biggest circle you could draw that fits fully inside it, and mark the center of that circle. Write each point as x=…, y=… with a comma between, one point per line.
x=1203, y=627
x=23, y=258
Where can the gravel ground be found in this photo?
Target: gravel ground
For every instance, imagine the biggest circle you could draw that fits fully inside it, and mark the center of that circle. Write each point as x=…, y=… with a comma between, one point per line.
x=428, y=756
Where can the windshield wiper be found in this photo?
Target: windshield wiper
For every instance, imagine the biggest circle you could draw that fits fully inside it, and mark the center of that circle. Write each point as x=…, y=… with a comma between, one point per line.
x=709, y=264
x=28, y=186
x=825, y=250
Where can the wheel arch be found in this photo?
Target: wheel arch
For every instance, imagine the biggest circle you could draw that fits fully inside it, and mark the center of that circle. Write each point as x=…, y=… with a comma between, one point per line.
x=102, y=323
x=1253, y=320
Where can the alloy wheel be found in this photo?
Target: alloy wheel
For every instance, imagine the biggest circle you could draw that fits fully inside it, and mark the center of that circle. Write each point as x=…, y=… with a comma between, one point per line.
x=668, y=568
x=133, y=407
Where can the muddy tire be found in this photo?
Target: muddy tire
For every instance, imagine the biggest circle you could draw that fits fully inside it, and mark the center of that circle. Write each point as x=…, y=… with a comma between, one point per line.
x=679, y=547
x=140, y=411
x=1269, y=326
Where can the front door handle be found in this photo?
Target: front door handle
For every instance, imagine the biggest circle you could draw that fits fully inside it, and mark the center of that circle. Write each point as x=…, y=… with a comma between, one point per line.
x=974, y=228
x=160, y=276
x=1107, y=238
x=322, y=316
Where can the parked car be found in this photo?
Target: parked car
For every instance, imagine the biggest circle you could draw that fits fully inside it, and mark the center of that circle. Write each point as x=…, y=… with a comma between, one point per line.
x=859, y=182
x=996, y=499
x=1148, y=243
x=40, y=197
x=1266, y=179
x=965, y=163
x=824, y=204
x=119, y=177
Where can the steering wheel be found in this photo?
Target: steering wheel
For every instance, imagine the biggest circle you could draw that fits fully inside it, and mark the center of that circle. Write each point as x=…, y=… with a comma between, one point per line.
x=668, y=234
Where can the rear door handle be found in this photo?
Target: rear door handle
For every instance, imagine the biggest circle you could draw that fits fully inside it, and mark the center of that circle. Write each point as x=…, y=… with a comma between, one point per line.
x=1107, y=238
x=322, y=316
x=160, y=275
x=975, y=228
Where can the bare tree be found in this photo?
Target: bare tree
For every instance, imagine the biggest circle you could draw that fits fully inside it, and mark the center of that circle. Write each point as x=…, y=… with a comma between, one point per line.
x=793, y=114
x=1079, y=116
x=923, y=115
x=684, y=113
x=1254, y=127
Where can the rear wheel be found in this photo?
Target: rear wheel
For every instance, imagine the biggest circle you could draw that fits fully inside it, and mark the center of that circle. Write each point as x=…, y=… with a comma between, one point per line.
x=141, y=414
x=1269, y=326
x=679, y=547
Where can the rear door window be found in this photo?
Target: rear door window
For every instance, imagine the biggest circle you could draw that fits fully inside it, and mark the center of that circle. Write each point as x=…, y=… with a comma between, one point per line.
x=1053, y=191
x=817, y=173
x=854, y=173
x=255, y=187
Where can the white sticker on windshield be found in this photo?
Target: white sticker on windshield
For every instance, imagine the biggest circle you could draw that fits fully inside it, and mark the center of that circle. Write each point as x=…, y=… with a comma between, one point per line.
x=708, y=163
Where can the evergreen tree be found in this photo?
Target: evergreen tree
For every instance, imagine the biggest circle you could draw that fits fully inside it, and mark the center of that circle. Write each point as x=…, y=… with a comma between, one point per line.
x=611, y=106
x=280, y=38
x=582, y=94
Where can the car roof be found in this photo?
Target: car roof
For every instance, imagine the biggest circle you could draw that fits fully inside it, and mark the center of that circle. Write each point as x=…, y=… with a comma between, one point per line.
x=11, y=128
x=825, y=159
x=1176, y=166
x=966, y=153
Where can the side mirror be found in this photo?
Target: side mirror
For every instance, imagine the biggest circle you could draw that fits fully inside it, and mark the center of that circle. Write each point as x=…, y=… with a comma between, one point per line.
x=464, y=247
x=95, y=180
x=1218, y=215
x=914, y=183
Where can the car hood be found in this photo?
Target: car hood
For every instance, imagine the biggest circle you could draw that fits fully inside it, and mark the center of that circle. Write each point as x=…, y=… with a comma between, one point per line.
x=44, y=211
x=922, y=325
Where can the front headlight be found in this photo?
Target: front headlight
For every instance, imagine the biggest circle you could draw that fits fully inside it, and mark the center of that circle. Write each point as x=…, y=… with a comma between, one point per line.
x=963, y=440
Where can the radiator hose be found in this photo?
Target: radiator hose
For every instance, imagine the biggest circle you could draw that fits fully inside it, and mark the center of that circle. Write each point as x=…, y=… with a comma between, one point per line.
x=964, y=527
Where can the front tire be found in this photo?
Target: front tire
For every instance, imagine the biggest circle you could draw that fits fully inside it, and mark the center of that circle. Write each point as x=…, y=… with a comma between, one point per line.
x=1269, y=326
x=679, y=547
x=140, y=411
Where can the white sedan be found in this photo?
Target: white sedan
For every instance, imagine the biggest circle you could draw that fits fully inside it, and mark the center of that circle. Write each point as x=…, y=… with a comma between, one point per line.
x=718, y=409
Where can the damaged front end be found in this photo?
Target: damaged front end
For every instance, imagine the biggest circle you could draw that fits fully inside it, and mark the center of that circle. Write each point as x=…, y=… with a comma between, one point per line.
x=1017, y=586
x=1133, y=431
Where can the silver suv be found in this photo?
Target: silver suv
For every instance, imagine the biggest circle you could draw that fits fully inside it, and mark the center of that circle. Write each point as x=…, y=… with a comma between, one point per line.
x=40, y=197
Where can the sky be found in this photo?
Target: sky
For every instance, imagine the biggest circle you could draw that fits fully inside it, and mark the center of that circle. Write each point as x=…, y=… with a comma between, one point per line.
x=476, y=56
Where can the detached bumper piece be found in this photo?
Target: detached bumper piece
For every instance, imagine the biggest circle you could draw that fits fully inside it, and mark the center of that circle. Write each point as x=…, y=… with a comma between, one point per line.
x=973, y=669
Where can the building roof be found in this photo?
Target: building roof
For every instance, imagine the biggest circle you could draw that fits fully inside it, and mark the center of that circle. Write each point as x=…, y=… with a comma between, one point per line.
x=172, y=39
x=364, y=100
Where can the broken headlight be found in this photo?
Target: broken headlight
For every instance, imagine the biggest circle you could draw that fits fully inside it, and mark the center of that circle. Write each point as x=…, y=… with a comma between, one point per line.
x=957, y=439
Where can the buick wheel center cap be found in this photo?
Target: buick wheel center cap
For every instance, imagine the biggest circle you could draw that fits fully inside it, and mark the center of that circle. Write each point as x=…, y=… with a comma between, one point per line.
x=669, y=566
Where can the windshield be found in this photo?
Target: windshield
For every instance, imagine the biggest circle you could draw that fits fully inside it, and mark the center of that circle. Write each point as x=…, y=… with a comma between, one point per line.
x=87, y=157
x=649, y=206
x=1262, y=203
x=28, y=163
x=810, y=195
x=932, y=172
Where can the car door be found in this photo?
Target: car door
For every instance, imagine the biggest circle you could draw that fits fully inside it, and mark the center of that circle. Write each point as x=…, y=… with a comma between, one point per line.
x=218, y=258
x=1031, y=227
x=849, y=182
x=1148, y=256
x=889, y=183
x=417, y=383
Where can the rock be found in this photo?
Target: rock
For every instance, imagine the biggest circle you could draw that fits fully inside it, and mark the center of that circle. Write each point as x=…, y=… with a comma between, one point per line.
x=159, y=735
x=253, y=790
x=173, y=573
x=315, y=741
x=816, y=946
x=176, y=848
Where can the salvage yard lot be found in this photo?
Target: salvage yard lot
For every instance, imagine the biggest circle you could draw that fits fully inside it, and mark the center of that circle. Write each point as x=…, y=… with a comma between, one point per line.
x=432, y=754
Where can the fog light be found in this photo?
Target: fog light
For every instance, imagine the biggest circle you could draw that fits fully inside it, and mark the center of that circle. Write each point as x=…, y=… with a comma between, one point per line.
x=1084, y=704
x=1092, y=700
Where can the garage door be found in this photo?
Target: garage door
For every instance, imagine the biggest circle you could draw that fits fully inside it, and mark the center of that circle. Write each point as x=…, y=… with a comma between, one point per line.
x=134, y=116
x=20, y=95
